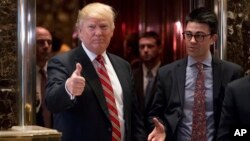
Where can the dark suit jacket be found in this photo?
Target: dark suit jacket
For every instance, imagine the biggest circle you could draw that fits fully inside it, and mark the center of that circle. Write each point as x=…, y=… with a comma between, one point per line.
x=144, y=102
x=87, y=117
x=169, y=99
x=236, y=108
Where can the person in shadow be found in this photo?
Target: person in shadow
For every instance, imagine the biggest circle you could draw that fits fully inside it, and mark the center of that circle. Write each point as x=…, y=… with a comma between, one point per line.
x=43, y=54
x=145, y=75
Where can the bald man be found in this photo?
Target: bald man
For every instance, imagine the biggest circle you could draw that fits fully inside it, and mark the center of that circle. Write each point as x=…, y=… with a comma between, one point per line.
x=43, y=53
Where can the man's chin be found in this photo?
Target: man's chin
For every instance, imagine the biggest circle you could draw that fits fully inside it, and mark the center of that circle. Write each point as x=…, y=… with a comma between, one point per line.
x=147, y=60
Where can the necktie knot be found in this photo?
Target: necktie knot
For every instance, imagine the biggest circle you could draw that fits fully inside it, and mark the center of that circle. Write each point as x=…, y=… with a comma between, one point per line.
x=100, y=59
x=199, y=66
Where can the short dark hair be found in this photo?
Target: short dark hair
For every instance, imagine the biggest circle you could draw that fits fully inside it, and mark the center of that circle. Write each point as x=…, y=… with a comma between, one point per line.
x=152, y=34
x=205, y=16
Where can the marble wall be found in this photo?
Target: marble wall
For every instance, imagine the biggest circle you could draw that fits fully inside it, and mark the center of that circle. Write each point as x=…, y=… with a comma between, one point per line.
x=238, y=32
x=8, y=63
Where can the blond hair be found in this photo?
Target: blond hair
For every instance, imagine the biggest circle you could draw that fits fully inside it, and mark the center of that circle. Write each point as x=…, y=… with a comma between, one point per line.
x=96, y=10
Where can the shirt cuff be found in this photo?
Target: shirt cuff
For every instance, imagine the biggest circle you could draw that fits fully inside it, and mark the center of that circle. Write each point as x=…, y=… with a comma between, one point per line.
x=70, y=95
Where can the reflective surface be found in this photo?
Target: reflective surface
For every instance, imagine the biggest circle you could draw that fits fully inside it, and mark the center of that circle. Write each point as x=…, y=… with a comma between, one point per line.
x=26, y=59
x=220, y=8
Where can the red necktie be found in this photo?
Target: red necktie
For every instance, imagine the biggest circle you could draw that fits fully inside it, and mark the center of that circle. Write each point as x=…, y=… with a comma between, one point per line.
x=109, y=95
x=199, y=117
x=45, y=112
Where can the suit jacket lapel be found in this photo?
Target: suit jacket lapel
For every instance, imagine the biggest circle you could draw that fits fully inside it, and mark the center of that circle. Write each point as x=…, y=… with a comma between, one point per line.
x=91, y=77
x=181, y=79
x=122, y=79
x=217, y=81
x=138, y=78
x=180, y=73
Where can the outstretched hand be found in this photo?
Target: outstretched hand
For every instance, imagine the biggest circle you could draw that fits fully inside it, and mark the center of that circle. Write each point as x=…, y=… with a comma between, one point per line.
x=76, y=83
x=158, y=134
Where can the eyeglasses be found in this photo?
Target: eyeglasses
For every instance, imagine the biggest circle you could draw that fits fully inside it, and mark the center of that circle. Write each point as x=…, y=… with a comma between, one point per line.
x=199, y=37
x=42, y=42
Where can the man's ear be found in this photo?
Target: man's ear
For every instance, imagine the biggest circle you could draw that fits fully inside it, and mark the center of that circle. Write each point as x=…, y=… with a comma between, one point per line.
x=214, y=38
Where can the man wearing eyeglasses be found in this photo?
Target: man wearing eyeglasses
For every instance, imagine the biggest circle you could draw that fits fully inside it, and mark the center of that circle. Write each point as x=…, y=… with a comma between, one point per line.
x=190, y=91
x=43, y=54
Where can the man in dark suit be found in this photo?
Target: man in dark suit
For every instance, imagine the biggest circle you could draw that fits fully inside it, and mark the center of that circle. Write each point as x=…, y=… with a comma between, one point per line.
x=235, y=113
x=179, y=97
x=145, y=75
x=43, y=54
x=90, y=91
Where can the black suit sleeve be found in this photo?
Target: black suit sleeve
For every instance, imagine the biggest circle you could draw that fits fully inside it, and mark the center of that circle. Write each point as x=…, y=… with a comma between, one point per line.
x=138, y=128
x=235, y=112
x=158, y=104
x=228, y=115
x=57, y=99
x=134, y=125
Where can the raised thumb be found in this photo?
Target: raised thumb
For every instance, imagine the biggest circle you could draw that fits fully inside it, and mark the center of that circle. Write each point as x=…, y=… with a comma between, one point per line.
x=78, y=69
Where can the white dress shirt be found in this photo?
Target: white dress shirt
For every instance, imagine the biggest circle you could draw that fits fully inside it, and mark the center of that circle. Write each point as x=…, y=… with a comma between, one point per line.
x=117, y=89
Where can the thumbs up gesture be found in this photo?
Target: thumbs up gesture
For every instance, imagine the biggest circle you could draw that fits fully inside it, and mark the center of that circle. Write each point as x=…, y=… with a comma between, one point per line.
x=158, y=134
x=76, y=83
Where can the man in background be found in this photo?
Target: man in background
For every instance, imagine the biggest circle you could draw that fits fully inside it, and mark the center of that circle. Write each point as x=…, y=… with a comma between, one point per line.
x=43, y=54
x=145, y=75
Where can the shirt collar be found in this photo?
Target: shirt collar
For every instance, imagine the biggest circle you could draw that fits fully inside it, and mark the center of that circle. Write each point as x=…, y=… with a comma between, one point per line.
x=206, y=62
x=153, y=70
x=92, y=55
x=44, y=67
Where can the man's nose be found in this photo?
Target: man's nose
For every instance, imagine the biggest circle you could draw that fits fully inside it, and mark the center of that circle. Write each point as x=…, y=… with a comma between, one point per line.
x=46, y=44
x=193, y=39
x=98, y=31
x=146, y=48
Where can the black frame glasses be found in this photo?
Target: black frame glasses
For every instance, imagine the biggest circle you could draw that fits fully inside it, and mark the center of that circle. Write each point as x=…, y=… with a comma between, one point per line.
x=199, y=37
